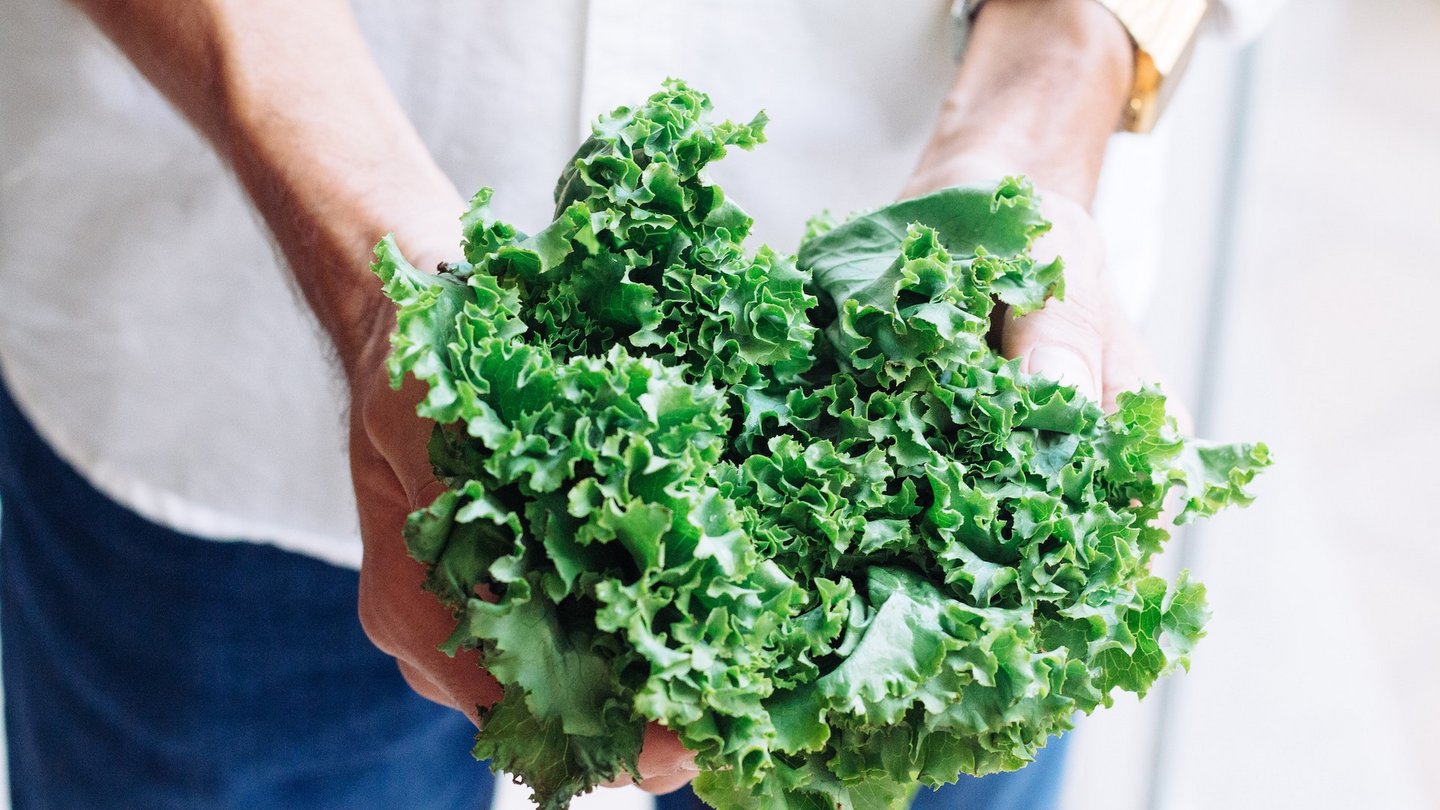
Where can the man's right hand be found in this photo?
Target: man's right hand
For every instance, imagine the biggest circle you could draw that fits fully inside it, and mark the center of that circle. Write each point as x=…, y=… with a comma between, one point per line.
x=393, y=477
x=292, y=101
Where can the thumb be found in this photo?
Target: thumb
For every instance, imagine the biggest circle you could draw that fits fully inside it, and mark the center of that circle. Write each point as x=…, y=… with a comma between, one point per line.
x=1058, y=362
x=1065, y=341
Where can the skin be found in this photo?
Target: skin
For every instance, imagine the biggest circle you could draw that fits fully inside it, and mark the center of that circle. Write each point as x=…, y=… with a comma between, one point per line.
x=1042, y=87
x=290, y=98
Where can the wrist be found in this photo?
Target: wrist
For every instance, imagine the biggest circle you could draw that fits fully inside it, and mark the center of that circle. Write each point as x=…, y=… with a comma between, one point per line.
x=364, y=360
x=1042, y=87
x=326, y=229
x=1082, y=35
x=330, y=180
x=295, y=105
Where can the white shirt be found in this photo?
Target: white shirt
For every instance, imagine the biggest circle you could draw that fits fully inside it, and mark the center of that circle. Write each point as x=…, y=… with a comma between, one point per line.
x=149, y=331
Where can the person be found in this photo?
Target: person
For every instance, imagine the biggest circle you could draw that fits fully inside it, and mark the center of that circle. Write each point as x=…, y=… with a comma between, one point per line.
x=163, y=389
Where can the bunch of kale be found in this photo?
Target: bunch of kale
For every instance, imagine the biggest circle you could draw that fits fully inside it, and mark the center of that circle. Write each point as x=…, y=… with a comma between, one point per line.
x=797, y=510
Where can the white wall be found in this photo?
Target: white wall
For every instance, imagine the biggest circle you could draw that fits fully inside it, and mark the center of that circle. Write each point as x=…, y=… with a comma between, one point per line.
x=1315, y=686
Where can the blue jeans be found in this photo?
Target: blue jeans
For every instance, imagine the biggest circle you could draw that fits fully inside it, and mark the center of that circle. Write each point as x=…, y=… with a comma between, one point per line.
x=149, y=669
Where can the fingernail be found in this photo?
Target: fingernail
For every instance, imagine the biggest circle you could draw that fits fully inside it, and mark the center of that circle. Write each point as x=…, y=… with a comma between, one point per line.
x=1064, y=365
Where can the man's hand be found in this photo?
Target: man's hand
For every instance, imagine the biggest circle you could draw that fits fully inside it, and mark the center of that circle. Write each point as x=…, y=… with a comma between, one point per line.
x=1085, y=340
x=392, y=476
x=1039, y=93
x=391, y=469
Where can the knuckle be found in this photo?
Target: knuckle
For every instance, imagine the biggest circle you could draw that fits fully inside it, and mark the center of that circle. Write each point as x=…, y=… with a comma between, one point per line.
x=426, y=493
x=421, y=685
x=373, y=619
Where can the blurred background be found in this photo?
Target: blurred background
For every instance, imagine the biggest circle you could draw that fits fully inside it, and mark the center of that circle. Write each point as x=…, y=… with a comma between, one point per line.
x=1299, y=313
x=1294, y=306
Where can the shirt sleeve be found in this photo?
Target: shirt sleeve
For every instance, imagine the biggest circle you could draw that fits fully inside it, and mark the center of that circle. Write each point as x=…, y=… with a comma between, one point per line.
x=1243, y=20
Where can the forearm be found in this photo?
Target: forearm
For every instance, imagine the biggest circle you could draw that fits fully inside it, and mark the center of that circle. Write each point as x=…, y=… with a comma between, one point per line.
x=1041, y=88
x=292, y=101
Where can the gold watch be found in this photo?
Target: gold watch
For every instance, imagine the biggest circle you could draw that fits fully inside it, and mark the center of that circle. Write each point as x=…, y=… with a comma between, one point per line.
x=1164, y=33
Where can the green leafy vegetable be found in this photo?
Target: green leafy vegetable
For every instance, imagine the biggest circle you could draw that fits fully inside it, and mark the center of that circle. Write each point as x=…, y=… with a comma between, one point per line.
x=799, y=512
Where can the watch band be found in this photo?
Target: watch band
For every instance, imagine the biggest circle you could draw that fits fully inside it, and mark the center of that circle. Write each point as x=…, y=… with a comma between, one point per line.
x=1164, y=33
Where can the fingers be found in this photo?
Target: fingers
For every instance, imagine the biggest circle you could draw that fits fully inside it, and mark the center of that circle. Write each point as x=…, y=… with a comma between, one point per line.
x=409, y=626
x=391, y=470
x=1066, y=340
x=399, y=616
x=1085, y=340
x=665, y=764
x=404, y=438
x=409, y=623
x=1128, y=364
x=421, y=683
x=660, y=785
